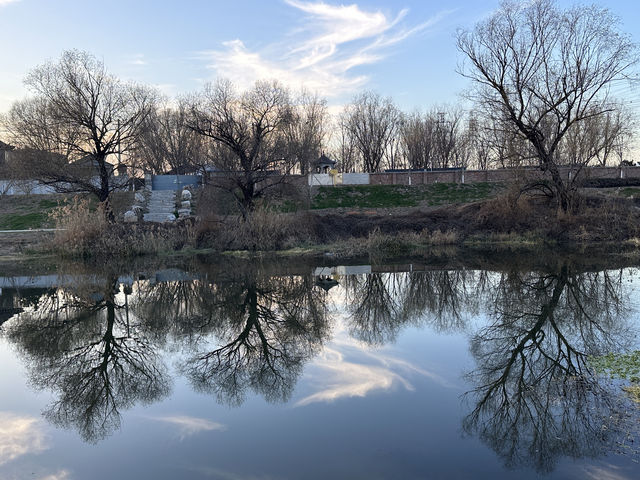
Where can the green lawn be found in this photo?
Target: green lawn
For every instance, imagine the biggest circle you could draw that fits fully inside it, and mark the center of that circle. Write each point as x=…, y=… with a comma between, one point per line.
x=630, y=192
x=389, y=196
x=22, y=212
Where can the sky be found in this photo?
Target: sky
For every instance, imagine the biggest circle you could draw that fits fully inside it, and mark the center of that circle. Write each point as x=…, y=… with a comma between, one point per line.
x=404, y=49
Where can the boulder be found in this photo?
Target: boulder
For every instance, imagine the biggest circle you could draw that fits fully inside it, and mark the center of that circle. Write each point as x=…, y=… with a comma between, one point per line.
x=130, y=216
x=186, y=195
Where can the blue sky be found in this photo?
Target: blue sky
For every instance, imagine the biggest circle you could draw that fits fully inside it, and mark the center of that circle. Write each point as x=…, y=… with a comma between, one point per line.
x=404, y=49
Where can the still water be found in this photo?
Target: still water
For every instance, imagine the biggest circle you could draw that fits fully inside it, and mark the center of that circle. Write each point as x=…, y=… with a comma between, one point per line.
x=437, y=368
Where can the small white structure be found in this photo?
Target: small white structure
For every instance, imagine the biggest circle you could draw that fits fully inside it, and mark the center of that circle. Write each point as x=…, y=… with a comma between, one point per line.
x=130, y=216
x=186, y=195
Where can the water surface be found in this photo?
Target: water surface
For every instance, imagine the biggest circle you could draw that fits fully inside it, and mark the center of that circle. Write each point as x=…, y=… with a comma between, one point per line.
x=438, y=368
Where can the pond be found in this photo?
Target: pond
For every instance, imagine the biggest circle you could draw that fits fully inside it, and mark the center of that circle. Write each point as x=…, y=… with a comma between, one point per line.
x=447, y=366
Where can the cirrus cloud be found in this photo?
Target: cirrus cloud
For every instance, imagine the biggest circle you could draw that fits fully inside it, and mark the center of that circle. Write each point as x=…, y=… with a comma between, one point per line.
x=324, y=52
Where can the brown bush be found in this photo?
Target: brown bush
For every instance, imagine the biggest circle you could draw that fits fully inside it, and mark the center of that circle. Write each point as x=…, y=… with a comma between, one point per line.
x=77, y=226
x=263, y=229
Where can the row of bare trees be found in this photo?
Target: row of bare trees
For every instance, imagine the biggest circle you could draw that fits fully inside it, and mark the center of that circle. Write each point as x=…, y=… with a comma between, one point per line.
x=541, y=80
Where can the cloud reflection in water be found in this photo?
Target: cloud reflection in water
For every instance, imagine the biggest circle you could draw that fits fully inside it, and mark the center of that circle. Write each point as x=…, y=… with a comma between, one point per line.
x=189, y=426
x=20, y=435
x=341, y=378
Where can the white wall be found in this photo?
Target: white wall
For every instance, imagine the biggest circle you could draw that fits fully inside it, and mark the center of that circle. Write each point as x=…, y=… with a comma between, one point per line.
x=316, y=179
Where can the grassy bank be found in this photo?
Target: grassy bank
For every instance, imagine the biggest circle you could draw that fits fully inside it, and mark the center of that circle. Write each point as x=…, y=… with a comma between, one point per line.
x=393, y=196
x=24, y=212
x=405, y=221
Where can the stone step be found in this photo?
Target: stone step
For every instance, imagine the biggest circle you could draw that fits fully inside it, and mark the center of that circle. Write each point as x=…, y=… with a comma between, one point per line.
x=160, y=205
x=159, y=217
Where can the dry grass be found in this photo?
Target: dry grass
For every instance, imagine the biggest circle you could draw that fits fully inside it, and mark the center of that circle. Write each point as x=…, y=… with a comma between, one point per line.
x=264, y=229
x=378, y=244
x=77, y=225
x=86, y=233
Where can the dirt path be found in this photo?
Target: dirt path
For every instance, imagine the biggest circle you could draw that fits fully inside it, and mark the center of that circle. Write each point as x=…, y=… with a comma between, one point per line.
x=14, y=242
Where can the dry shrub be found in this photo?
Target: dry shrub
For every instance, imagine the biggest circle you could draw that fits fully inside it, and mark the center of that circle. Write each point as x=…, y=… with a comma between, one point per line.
x=506, y=212
x=83, y=233
x=379, y=244
x=439, y=237
x=77, y=226
x=263, y=229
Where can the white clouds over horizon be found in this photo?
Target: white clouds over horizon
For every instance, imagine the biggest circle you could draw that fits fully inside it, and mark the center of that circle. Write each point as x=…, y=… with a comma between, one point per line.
x=323, y=53
x=7, y=2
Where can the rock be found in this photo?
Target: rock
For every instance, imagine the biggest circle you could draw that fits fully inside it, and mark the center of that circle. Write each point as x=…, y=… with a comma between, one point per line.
x=139, y=197
x=186, y=195
x=130, y=217
x=185, y=204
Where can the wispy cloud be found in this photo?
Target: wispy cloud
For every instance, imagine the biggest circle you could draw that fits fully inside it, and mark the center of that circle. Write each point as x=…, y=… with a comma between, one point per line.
x=188, y=426
x=323, y=53
x=61, y=475
x=7, y=2
x=136, y=59
x=20, y=435
x=605, y=472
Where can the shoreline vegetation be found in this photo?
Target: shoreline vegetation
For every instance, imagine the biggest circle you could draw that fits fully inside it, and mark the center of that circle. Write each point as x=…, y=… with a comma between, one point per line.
x=380, y=222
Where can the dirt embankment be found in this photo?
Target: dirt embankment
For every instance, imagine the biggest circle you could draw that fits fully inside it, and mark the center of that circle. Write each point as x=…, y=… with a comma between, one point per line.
x=596, y=219
x=15, y=243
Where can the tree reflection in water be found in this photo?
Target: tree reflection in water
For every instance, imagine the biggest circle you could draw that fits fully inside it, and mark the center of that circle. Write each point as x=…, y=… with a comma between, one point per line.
x=264, y=330
x=84, y=346
x=536, y=397
x=382, y=304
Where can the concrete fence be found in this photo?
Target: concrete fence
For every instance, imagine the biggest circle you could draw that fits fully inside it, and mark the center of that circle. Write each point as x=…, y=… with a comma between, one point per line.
x=173, y=182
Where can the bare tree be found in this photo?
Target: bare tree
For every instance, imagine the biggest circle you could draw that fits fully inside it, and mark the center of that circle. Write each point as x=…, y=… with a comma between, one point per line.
x=372, y=122
x=345, y=151
x=250, y=129
x=599, y=140
x=306, y=133
x=547, y=70
x=417, y=140
x=167, y=143
x=79, y=111
x=435, y=139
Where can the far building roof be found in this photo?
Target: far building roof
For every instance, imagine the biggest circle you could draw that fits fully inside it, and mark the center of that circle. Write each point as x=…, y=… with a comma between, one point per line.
x=323, y=164
x=86, y=161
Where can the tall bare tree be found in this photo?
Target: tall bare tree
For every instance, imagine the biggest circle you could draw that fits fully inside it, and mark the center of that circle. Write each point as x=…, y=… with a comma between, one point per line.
x=78, y=111
x=305, y=135
x=435, y=139
x=167, y=143
x=372, y=122
x=547, y=70
x=249, y=127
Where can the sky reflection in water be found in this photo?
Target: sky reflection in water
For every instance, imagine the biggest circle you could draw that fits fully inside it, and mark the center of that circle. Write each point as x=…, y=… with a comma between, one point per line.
x=442, y=373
